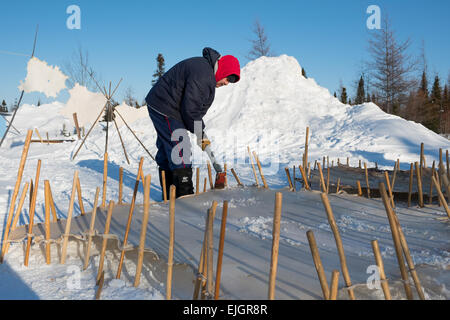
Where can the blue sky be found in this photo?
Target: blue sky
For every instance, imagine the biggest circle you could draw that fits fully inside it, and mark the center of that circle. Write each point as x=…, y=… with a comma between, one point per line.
x=328, y=38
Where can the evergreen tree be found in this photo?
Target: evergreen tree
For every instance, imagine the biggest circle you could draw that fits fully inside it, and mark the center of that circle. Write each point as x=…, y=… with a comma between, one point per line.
x=423, y=90
x=436, y=91
x=344, y=95
x=304, y=73
x=367, y=98
x=335, y=94
x=39, y=103
x=160, y=69
x=360, y=94
x=260, y=45
x=349, y=101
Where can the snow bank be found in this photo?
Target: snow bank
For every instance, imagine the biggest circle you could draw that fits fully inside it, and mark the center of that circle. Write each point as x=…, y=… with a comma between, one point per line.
x=43, y=78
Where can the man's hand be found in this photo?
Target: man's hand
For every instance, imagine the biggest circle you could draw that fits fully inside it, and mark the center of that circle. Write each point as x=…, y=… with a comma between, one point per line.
x=204, y=143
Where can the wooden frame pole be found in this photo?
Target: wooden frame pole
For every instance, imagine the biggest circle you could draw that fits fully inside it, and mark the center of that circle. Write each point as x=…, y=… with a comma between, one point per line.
x=430, y=195
x=396, y=239
x=388, y=183
x=120, y=200
x=211, y=184
x=305, y=178
x=419, y=184
x=164, y=185
x=305, y=157
x=421, y=158
x=91, y=229
x=411, y=177
x=328, y=180
x=69, y=219
x=260, y=170
x=334, y=285
x=204, y=185
x=379, y=261
x=105, y=241
x=23, y=160
x=441, y=196
x=339, y=245
x=367, y=180
x=253, y=166
x=318, y=264
x=358, y=185
x=47, y=222
x=130, y=216
x=32, y=212
x=197, y=184
x=80, y=198
x=19, y=207
x=396, y=168
x=143, y=230
x=291, y=188
x=105, y=178
x=171, y=242
x=236, y=177
x=275, y=244
x=77, y=127
x=322, y=181
x=221, y=246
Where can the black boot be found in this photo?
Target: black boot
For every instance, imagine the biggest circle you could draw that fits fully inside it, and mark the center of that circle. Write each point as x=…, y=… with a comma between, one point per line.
x=182, y=179
x=169, y=181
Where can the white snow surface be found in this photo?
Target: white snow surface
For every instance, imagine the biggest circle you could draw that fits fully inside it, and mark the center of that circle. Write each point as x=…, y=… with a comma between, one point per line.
x=268, y=110
x=43, y=78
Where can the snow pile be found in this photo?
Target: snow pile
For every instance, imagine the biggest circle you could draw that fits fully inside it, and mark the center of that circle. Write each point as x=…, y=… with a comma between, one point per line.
x=130, y=114
x=43, y=78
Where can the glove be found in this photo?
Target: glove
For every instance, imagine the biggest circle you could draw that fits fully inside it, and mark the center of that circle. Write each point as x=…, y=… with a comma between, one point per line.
x=204, y=143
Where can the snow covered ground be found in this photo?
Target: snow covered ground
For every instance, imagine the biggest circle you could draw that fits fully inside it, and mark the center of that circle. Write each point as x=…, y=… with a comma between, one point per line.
x=268, y=110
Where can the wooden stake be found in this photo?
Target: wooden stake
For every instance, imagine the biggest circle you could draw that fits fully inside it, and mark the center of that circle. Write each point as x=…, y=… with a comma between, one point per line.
x=221, y=245
x=210, y=260
x=171, y=242
x=39, y=135
x=358, y=184
x=396, y=238
x=379, y=262
x=391, y=196
x=367, y=180
x=338, y=184
x=236, y=177
x=91, y=230
x=339, y=245
x=419, y=184
x=305, y=179
x=328, y=180
x=448, y=164
x=52, y=204
x=197, y=185
x=12, y=205
x=441, y=196
x=430, y=195
x=100, y=286
x=411, y=177
x=105, y=241
x=211, y=183
x=421, y=158
x=226, y=176
x=305, y=158
x=47, y=222
x=275, y=244
x=328, y=161
x=204, y=185
x=334, y=285
x=120, y=186
x=260, y=170
x=322, y=181
x=253, y=166
x=32, y=212
x=207, y=262
x=69, y=219
x=80, y=198
x=48, y=139
x=105, y=178
x=318, y=264
x=19, y=208
x=293, y=178
x=348, y=162
x=291, y=188
x=360, y=164
x=396, y=168
x=130, y=216
x=143, y=230
x=164, y=185
x=409, y=260
x=77, y=127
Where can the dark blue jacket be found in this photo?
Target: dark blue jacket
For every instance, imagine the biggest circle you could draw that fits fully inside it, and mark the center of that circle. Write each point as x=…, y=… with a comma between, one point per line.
x=187, y=90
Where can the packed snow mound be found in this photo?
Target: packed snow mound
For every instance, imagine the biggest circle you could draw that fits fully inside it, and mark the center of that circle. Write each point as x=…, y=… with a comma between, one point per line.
x=43, y=78
x=271, y=106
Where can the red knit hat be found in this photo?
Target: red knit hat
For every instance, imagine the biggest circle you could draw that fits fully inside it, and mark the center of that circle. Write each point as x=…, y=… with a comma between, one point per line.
x=228, y=65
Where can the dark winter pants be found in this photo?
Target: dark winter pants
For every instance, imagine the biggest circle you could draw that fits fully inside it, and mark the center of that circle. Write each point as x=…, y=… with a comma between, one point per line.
x=171, y=155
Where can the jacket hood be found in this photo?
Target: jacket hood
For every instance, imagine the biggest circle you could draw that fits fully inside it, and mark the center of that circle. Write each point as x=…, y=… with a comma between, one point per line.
x=211, y=55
